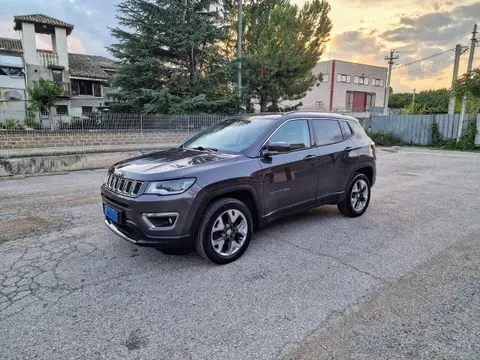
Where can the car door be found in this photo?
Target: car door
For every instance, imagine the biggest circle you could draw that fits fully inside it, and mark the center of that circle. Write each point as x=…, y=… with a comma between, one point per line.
x=333, y=158
x=290, y=179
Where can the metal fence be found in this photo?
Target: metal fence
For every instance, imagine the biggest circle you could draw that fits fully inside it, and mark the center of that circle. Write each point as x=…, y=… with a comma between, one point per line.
x=417, y=129
x=11, y=121
x=23, y=134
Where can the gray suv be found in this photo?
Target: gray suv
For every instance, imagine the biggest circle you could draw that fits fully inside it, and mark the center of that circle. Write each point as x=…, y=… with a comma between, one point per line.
x=211, y=193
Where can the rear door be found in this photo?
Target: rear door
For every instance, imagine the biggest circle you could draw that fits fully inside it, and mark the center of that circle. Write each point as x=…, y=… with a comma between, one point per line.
x=333, y=157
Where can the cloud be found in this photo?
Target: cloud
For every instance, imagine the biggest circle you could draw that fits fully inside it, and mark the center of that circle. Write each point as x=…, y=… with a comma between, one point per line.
x=91, y=19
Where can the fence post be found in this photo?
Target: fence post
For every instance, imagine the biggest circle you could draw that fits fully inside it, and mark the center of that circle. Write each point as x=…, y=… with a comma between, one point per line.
x=141, y=123
x=188, y=124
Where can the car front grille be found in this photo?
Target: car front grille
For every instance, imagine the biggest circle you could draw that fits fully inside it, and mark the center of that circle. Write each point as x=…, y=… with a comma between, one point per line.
x=123, y=186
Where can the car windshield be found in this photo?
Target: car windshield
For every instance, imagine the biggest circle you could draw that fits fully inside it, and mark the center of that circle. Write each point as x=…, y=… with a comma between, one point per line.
x=232, y=135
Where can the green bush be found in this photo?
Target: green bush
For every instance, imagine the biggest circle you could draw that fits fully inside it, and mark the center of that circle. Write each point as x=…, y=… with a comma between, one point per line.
x=466, y=142
x=32, y=123
x=12, y=124
x=387, y=139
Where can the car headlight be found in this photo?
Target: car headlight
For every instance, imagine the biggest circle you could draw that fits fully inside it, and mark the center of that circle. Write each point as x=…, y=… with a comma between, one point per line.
x=170, y=187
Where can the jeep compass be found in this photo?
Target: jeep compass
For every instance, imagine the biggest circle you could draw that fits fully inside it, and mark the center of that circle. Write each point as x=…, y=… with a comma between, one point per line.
x=214, y=191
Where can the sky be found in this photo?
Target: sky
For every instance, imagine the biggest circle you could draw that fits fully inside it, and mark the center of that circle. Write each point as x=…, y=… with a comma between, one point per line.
x=363, y=31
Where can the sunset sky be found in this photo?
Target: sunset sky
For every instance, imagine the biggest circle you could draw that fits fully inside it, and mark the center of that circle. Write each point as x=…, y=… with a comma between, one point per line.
x=363, y=31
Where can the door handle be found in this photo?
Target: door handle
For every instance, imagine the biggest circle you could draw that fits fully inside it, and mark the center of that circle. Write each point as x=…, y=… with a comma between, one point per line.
x=309, y=157
x=348, y=148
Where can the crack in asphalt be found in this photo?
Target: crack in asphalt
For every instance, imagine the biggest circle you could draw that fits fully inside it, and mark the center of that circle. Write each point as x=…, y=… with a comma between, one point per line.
x=336, y=259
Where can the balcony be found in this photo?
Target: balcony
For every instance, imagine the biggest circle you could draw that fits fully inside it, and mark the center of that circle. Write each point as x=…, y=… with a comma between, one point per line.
x=47, y=59
x=67, y=89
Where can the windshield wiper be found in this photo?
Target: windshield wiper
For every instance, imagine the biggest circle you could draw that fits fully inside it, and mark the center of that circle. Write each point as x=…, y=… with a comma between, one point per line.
x=202, y=148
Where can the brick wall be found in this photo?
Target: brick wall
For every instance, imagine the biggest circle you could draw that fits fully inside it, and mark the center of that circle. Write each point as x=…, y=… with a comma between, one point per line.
x=16, y=144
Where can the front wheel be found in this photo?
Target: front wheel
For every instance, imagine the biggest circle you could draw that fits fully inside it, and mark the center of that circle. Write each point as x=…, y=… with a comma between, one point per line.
x=358, y=197
x=225, y=231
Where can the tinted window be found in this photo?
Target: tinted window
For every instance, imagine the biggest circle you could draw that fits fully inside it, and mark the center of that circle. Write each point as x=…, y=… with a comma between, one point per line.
x=295, y=133
x=358, y=131
x=347, y=132
x=232, y=135
x=327, y=132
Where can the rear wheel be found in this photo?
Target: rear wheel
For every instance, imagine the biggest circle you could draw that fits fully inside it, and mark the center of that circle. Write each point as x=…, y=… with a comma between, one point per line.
x=358, y=197
x=225, y=231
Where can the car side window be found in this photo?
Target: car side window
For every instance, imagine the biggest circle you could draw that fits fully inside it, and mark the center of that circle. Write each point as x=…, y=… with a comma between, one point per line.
x=346, y=130
x=326, y=132
x=295, y=133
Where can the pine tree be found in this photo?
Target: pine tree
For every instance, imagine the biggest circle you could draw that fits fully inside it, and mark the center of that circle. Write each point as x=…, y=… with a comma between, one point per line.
x=170, y=58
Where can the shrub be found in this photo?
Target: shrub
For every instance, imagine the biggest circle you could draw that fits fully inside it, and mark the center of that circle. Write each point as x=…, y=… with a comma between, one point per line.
x=386, y=139
x=12, y=124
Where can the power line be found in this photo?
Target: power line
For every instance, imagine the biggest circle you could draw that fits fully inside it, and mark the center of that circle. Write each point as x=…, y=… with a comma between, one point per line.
x=426, y=58
x=411, y=63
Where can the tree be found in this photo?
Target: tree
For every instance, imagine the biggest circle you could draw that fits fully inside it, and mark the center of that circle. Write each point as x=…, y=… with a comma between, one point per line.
x=469, y=84
x=283, y=43
x=170, y=57
x=428, y=101
x=43, y=94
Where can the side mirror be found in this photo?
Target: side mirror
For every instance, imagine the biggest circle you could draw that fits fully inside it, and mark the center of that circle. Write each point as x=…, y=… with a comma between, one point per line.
x=276, y=148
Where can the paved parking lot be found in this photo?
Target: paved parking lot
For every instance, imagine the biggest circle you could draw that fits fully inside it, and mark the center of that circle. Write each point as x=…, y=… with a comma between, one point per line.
x=403, y=281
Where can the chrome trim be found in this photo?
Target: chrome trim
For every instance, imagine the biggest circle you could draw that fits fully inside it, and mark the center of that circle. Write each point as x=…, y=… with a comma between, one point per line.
x=120, y=185
x=153, y=227
x=114, y=229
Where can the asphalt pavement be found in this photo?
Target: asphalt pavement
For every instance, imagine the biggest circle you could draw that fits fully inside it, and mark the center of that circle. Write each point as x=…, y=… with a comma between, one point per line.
x=402, y=281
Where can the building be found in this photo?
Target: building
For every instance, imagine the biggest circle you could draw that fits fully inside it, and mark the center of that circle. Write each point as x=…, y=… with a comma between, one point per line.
x=84, y=78
x=347, y=86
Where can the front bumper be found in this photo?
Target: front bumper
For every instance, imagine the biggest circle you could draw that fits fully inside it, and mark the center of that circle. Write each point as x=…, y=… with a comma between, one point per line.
x=136, y=229
x=130, y=234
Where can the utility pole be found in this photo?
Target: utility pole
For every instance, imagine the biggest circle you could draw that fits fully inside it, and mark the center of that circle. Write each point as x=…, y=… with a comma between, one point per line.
x=239, y=53
x=389, y=78
x=469, y=68
x=413, y=101
x=456, y=65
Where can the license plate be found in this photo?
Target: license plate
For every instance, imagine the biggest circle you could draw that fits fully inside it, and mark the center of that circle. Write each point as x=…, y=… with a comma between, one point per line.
x=110, y=213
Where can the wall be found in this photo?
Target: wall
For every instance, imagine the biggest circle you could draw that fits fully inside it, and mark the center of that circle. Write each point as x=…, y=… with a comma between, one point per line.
x=60, y=47
x=322, y=92
x=29, y=44
x=24, y=143
x=352, y=69
x=77, y=103
x=9, y=82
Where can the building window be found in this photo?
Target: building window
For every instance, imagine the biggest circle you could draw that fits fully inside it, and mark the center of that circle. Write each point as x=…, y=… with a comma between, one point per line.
x=349, y=101
x=11, y=71
x=86, y=87
x=325, y=78
x=371, y=97
x=360, y=80
x=97, y=89
x=87, y=109
x=62, y=109
x=343, y=78
x=57, y=76
x=377, y=82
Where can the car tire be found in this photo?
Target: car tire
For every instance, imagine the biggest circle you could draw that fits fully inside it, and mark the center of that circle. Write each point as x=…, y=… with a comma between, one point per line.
x=357, y=198
x=225, y=231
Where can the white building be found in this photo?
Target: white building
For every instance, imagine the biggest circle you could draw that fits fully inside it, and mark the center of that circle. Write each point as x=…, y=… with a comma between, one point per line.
x=347, y=86
x=84, y=78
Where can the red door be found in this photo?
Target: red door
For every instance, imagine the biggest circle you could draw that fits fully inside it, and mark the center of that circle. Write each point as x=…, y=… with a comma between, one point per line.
x=359, y=102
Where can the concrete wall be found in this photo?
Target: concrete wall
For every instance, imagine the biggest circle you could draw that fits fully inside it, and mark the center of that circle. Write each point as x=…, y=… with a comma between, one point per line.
x=322, y=93
x=60, y=46
x=29, y=44
x=77, y=103
x=62, y=163
x=12, y=144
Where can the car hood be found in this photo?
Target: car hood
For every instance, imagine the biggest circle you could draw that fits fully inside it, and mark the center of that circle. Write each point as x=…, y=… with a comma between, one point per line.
x=170, y=164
